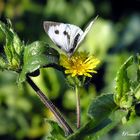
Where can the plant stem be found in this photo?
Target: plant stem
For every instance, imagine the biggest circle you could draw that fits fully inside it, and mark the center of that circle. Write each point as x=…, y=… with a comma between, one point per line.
x=51, y=106
x=78, y=112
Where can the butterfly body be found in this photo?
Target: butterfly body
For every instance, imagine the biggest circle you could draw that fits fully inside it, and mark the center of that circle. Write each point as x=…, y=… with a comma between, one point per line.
x=66, y=36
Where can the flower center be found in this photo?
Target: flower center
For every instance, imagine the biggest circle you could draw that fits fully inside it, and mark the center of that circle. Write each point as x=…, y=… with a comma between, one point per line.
x=77, y=65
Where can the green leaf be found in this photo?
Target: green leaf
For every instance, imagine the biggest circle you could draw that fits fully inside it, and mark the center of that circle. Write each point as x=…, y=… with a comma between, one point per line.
x=13, y=48
x=102, y=104
x=138, y=71
x=137, y=89
x=94, y=129
x=108, y=124
x=137, y=92
x=123, y=85
x=12, y=39
x=37, y=55
x=56, y=133
x=2, y=63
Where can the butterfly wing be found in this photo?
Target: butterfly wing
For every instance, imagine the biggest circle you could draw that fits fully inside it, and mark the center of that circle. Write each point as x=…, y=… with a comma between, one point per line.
x=63, y=35
x=55, y=32
x=86, y=31
x=75, y=33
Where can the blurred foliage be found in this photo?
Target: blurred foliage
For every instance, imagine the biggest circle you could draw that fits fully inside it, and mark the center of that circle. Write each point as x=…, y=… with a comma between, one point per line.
x=114, y=37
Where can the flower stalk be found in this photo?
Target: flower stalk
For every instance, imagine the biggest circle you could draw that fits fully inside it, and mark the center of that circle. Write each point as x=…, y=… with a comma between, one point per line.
x=79, y=65
x=78, y=110
x=48, y=103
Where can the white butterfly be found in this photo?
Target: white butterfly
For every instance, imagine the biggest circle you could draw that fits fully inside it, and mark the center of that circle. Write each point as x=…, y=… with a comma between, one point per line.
x=66, y=36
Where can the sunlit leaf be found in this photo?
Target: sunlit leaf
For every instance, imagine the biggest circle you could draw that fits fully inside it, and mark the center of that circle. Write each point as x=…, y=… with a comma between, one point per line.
x=56, y=132
x=123, y=86
x=2, y=63
x=13, y=48
x=37, y=55
x=137, y=89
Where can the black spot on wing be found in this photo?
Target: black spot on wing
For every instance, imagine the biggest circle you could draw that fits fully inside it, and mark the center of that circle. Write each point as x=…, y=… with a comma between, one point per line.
x=71, y=50
x=74, y=43
x=66, y=33
x=76, y=40
x=56, y=31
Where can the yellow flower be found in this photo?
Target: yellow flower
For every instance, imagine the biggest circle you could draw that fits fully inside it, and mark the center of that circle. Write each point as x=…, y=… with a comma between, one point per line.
x=79, y=64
